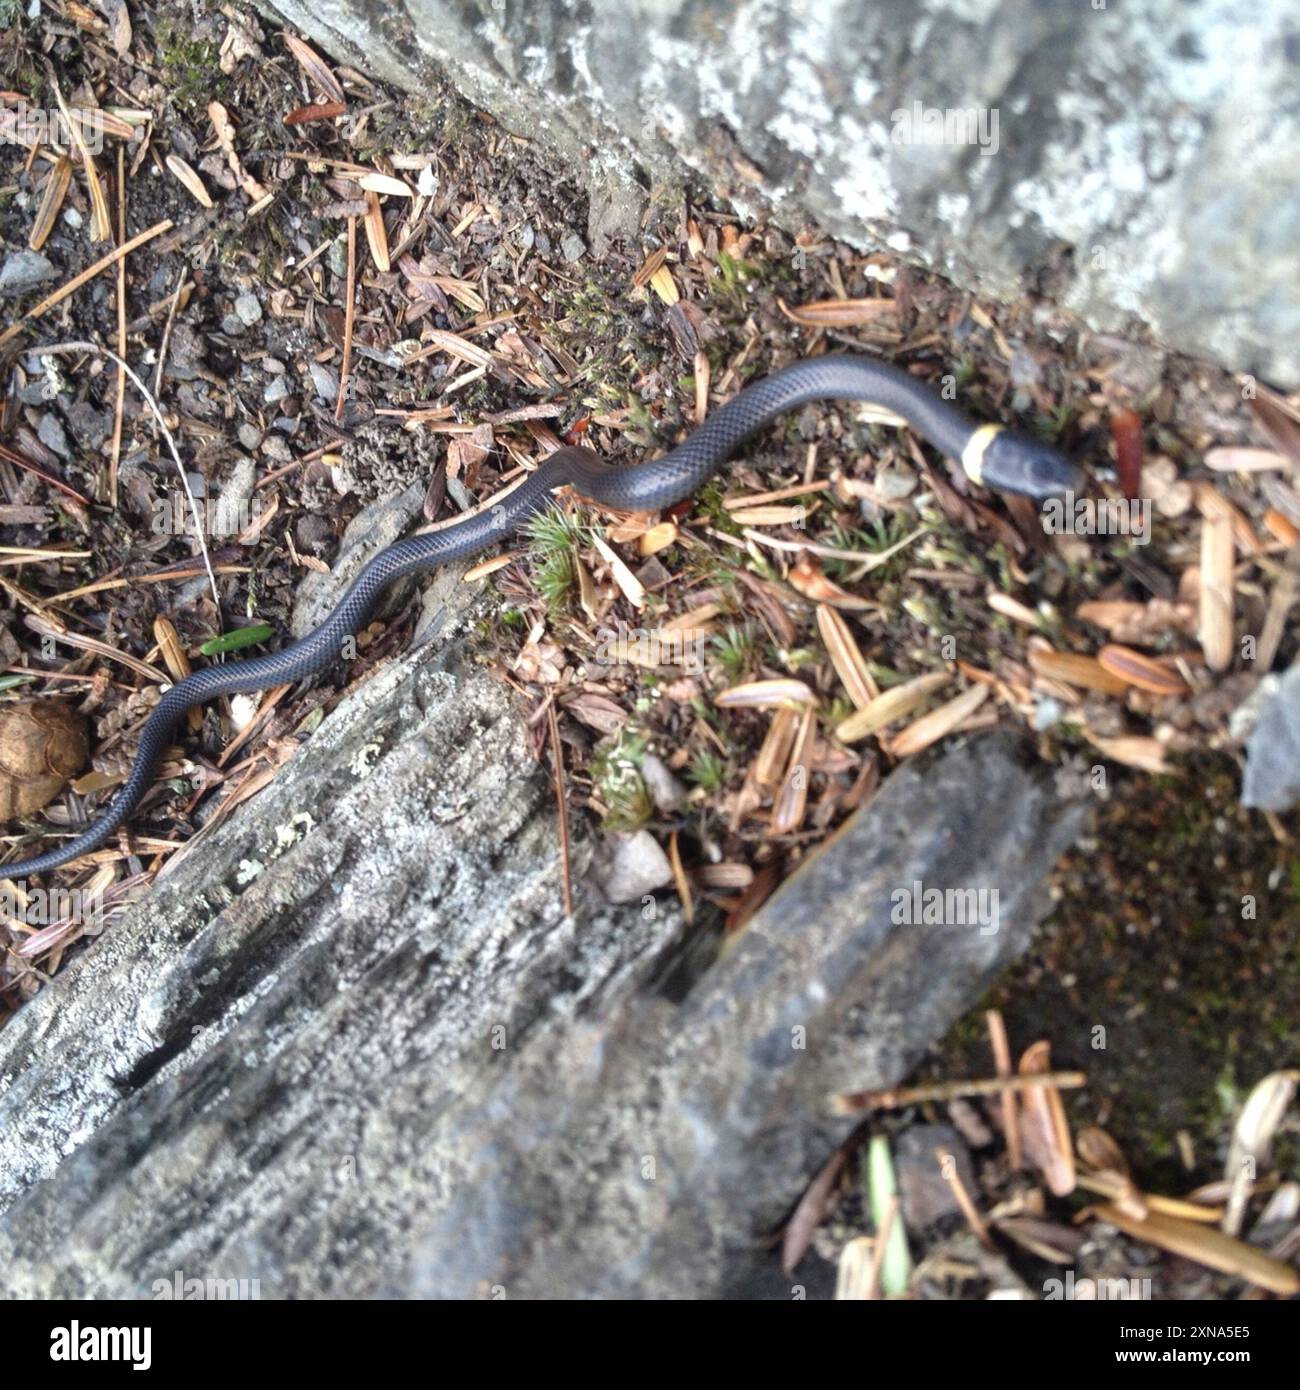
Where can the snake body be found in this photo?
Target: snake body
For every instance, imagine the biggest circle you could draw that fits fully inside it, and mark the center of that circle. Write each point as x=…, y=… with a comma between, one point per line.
x=990, y=455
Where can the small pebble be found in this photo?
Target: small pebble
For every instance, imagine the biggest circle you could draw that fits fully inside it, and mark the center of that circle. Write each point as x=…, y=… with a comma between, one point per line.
x=1047, y=714
x=626, y=866
x=326, y=381
x=573, y=248
x=23, y=271
x=665, y=790
x=249, y=309
x=275, y=448
x=51, y=433
x=893, y=484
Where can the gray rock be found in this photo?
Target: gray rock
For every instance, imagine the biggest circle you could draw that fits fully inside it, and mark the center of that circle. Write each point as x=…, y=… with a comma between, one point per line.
x=1124, y=189
x=616, y=203
x=627, y=867
x=52, y=434
x=232, y=512
x=23, y=271
x=276, y=390
x=1272, y=778
x=248, y=308
x=351, y=1046
x=665, y=790
x=325, y=380
x=573, y=248
x=90, y=427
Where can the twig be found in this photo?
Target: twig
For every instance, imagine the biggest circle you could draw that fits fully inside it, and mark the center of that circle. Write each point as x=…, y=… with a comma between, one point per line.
x=949, y=1173
x=165, y=341
x=895, y=1099
x=119, y=402
x=348, y=313
x=870, y=559
x=19, y=461
x=1010, y=1111
x=45, y=628
x=77, y=281
x=562, y=806
x=63, y=349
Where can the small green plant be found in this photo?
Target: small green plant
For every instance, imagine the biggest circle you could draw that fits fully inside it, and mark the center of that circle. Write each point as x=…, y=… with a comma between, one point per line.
x=735, y=648
x=554, y=536
x=1053, y=425
x=617, y=781
x=878, y=536
x=707, y=771
x=836, y=713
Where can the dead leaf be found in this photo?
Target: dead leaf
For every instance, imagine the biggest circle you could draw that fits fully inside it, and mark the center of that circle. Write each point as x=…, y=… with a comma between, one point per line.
x=1279, y=420
x=1133, y=750
x=187, y=176
x=1241, y=460
x=1144, y=672
x=792, y=800
x=1074, y=669
x=1217, y=599
x=316, y=68
x=810, y=1212
x=376, y=234
x=939, y=723
x=807, y=577
x=837, y=313
x=385, y=185
x=894, y=704
x=318, y=111
x=770, y=694
x=1206, y=1246
x=52, y=196
x=1044, y=1128
x=846, y=656
x=775, y=751
x=632, y=588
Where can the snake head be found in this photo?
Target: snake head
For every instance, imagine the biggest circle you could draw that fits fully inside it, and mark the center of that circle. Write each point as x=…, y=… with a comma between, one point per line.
x=1017, y=463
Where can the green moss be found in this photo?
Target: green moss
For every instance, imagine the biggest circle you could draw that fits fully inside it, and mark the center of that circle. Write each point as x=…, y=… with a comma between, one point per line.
x=190, y=66
x=617, y=781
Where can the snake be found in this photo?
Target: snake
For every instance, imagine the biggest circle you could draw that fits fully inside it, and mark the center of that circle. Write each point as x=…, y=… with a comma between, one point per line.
x=989, y=454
